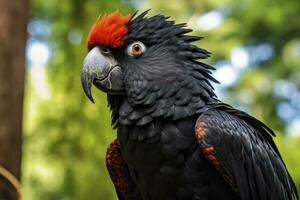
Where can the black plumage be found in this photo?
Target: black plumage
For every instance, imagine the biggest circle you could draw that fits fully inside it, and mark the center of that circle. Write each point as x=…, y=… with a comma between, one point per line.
x=176, y=140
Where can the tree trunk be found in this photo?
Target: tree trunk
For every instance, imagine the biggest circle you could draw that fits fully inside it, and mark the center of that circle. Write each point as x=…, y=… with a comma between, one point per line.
x=13, y=35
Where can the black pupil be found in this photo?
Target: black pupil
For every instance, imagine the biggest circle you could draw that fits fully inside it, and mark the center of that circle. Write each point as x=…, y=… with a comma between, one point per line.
x=136, y=48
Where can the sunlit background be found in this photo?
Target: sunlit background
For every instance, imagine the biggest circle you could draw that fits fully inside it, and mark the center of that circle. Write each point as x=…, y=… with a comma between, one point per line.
x=256, y=51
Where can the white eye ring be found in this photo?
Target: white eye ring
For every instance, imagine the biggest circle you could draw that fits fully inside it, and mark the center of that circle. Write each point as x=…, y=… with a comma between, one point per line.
x=136, y=49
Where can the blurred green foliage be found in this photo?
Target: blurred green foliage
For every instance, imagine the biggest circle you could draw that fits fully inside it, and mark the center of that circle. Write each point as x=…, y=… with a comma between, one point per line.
x=66, y=136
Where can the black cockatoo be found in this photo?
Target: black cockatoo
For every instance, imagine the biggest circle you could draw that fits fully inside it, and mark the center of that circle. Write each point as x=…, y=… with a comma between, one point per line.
x=175, y=139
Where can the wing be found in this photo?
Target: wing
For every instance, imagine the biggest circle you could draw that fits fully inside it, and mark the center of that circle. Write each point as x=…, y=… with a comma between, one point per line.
x=119, y=174
x=240, y=147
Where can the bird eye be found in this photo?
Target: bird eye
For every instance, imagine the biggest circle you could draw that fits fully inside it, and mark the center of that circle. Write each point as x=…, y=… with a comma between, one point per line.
x=136, y=49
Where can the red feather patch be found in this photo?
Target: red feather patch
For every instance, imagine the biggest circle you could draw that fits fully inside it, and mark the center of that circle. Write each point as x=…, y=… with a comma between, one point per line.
x=109, y=30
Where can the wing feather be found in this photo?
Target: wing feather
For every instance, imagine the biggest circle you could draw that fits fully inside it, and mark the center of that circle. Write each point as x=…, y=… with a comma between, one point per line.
x=238, y=147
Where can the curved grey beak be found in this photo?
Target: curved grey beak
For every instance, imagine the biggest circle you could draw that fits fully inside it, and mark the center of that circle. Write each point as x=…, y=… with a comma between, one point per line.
x=102, y=70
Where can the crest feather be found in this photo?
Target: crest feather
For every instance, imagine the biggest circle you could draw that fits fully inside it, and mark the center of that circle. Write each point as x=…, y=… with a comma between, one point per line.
x=109, y=30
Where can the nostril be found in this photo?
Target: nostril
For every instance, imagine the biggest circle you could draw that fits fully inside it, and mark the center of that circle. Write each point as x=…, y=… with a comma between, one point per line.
x=105, y=50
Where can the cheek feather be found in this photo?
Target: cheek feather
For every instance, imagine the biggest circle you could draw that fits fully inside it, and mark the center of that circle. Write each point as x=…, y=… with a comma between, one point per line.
x=109, y=30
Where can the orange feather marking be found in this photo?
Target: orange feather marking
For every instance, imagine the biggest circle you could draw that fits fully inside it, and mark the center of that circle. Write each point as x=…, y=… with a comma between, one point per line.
x=109, y=30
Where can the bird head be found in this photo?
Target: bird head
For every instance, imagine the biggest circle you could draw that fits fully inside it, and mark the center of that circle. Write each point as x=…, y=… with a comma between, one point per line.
x=150, y=62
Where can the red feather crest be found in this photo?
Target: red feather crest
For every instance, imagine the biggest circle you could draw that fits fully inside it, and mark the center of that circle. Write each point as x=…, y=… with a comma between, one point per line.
x=109, y=30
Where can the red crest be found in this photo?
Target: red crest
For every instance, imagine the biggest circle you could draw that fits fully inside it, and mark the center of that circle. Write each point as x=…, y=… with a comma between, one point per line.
x=109, y=30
